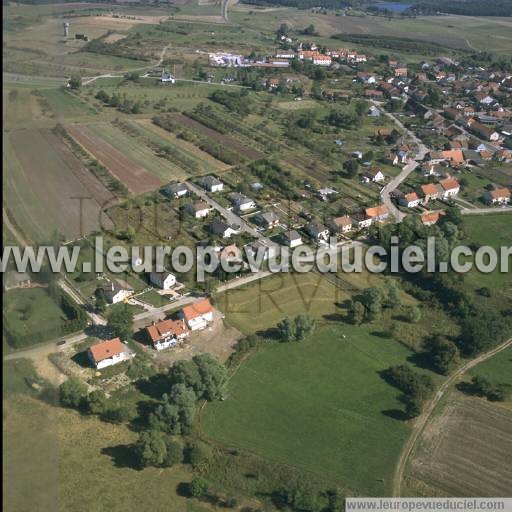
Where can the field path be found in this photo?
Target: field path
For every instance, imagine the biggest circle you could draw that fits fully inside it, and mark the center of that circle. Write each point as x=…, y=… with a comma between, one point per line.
x=423, y=419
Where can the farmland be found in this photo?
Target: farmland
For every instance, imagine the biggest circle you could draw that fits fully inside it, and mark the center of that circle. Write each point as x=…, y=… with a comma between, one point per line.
x=225, y=140
x=464, y=451
x=319, y=405
x=36, y=161
x=136, y=177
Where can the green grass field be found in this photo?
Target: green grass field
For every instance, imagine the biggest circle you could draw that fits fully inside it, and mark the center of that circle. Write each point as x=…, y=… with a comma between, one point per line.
x=64, y=104
x=498, y=369
x=319, y=405
x=261, y=305
x=495, y=231
x=32, y=311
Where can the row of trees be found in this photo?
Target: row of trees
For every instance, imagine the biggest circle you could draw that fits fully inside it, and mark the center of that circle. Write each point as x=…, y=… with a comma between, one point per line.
x=121, y=102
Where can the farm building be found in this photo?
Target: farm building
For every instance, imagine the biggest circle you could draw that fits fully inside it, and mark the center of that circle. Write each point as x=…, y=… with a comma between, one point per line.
x=108, y=353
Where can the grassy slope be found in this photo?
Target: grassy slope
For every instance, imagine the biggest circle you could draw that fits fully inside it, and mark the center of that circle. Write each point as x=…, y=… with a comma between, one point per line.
x=68, y=462
x=318, y=405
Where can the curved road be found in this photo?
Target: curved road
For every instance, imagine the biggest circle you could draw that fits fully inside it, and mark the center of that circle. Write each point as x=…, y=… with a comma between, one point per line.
x=425, y=416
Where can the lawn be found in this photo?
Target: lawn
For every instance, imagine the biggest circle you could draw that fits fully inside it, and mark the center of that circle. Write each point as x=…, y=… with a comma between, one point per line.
x=319, y=405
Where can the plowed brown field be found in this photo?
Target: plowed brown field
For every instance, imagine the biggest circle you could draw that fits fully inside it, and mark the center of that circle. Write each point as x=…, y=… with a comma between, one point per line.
x=136, y=178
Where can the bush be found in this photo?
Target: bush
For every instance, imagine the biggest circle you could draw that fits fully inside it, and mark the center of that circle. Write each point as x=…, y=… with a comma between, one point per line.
x=198, y=453
x=72, y=392
x=198, y=487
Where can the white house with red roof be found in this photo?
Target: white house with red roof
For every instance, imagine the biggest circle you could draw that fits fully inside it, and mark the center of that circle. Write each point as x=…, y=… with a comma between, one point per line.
x=108, y=353
x=451, y=187
x=167, y=333
x=498, y=196
x=198, y=315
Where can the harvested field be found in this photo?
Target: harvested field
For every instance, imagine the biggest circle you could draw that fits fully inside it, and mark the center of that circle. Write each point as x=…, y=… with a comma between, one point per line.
x=226, y=140
x=43, y=183
x=465, y=451
x=135, y=177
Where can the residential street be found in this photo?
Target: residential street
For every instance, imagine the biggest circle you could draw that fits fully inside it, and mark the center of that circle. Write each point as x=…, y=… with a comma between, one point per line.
x=406, y=170
x=229, y=215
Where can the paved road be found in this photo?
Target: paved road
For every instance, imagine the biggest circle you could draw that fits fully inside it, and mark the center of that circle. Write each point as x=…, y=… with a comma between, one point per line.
x=406, y=170
x=229, y=215
x=422, y=420
x=47, y=348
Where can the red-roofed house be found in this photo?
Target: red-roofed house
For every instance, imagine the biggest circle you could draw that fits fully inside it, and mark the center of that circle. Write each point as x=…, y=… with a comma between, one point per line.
x=498, y=196
x=430, y=192
x=167, y=333
x=430, y=218
x=411, y=200
x=198, y=315
x=451, y=187
x=107, y=353
x=377, y=213
x=455, y=156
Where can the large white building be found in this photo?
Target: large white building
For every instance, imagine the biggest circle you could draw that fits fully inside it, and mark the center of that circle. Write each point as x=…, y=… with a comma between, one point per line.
x=227, y=60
